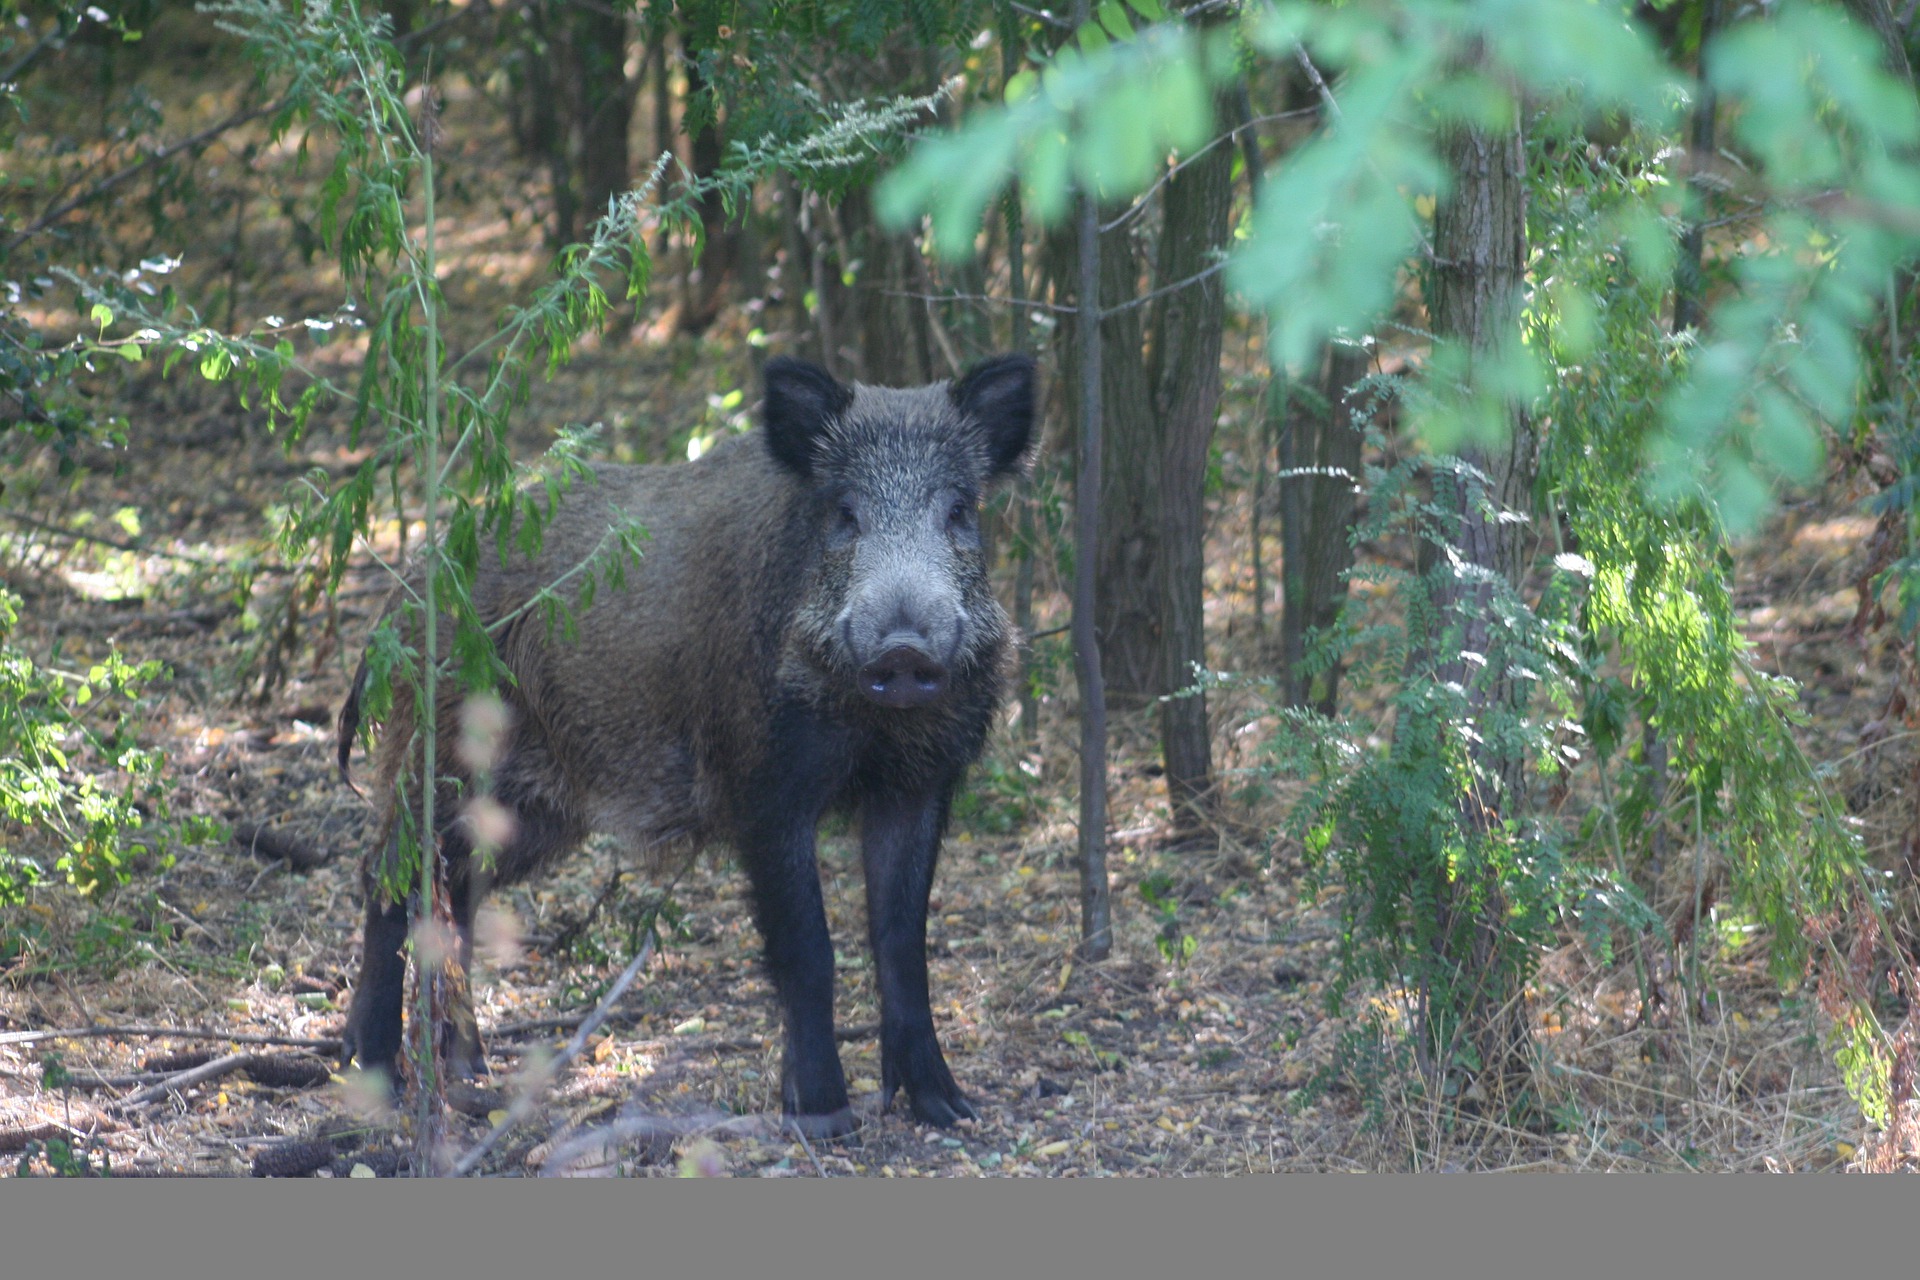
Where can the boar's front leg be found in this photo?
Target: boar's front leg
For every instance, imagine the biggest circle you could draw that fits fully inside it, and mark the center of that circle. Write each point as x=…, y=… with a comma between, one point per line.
x=799, y=953
x=900, y=842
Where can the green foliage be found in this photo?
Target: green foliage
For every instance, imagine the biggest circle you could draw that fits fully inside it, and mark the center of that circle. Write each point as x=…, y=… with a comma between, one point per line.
x=1175, y=944
x=1658, y=634
x=1444, y=905
x=1101, y=115
x=1828, y=130
x=1819, y=115
x=1655, y=448
x=62, y=1160
x=73, y=775
x=1000, y=796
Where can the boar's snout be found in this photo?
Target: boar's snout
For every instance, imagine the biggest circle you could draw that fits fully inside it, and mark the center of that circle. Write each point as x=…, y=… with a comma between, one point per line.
x=906, y=674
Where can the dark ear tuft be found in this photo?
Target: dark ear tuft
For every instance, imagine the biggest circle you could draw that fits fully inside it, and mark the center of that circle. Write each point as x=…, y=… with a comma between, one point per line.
x=801, y=400
x=998, y=394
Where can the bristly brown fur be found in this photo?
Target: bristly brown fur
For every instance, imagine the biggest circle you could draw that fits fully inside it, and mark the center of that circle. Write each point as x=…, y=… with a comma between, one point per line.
x=718, y=697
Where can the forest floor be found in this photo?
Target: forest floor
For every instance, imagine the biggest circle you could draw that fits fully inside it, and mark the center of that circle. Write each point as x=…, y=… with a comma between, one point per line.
x=1225, y=1062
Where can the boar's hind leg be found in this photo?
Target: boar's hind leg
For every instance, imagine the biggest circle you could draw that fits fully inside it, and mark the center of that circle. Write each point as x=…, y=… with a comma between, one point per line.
x=541, y=832
x=900, y=842
x=372, y=1035
x=467, y=885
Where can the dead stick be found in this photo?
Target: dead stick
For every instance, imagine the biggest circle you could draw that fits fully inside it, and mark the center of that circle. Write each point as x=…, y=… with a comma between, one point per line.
x=93, y=1080
x=795, y=1129
x=188, y=1078
x=727, y=1044
x=17, y=1139
x=524, y=1103
x=269, y=845
x=8, y=1038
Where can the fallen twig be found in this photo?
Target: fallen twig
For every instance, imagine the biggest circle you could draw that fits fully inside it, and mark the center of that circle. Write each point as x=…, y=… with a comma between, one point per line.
x=268, y=845
x=797, y=1132
x=17, y=1139
x=93, y=1079
x=275, y=1070
x=591, y=1023
x=187, y=1079
x=724, y=1044
x=322, y=1047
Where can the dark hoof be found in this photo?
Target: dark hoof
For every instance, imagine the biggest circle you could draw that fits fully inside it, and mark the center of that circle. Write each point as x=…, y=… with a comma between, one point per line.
x=832, y=1127
x=918, y=1067
x=943, y=1111
x=352, y=1060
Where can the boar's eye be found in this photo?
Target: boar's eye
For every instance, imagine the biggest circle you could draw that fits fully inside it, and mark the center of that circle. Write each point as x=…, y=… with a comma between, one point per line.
x=849, y=518
x=961, y=514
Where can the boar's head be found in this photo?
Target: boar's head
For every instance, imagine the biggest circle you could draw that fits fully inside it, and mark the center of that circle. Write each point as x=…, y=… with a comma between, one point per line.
x=900, y=606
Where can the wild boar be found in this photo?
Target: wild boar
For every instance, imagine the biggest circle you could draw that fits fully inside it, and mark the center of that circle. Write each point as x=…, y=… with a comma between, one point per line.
x=809, y=628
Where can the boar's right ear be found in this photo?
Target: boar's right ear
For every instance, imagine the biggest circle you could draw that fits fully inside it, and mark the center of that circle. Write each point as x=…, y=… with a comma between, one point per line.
x=801, y=400
x=998, y=394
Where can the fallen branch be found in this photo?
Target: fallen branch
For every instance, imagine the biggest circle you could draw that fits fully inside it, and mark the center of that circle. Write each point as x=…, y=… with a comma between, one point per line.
x=17, y=1139
x=91, y=1079
x=187, y=1079
x=107, y=540
x=275, y=1070
x=588, y=1025
x=268, y=845
x=295, y=1159
x=114, y=179
x=322, y=1047
x=728, y=1044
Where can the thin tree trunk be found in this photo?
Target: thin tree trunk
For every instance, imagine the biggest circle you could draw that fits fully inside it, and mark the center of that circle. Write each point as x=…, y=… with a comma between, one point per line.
x=546, y=135
x=1689, y=279
x=603, y=106
x=1260, y=433
x=1096, y=911
x=1188, y=331
x=1128, y=557
x=702, y=297
x=663, y=130
x=1473, y=299
x=1129, y=554
x=1022, y=495
x=1877, y=16
x=1325, y=444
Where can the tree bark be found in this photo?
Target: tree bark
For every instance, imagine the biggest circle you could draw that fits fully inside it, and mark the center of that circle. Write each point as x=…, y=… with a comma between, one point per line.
x=1096, y=912
x=1128, y=557
x=1473, y=299
x=1188, y=331
x=701, y=298
x=896, y=344
x=1096, y=907
x=1877, y=16
x=1689, y=276
x=1018, y=340
x=1321, y=462
x=603, y=105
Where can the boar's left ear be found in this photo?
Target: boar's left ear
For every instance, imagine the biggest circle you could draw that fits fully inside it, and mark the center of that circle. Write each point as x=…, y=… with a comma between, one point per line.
x=998, y=394
x=802, y=399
